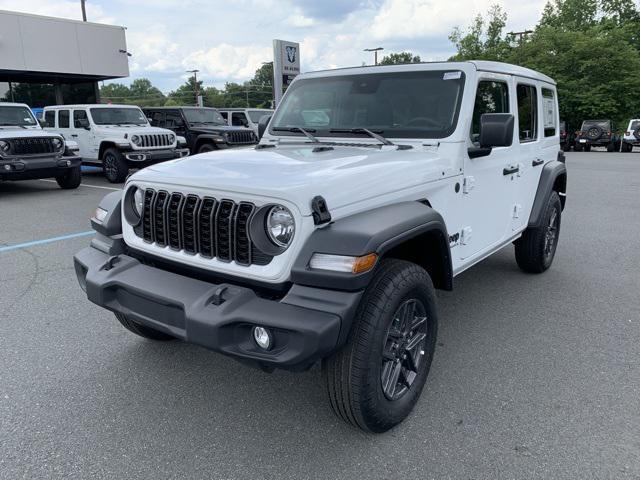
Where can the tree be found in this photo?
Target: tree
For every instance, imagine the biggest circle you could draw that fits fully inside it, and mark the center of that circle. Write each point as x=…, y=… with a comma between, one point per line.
x=484, y=39
x=145, y=94
x=400, y=58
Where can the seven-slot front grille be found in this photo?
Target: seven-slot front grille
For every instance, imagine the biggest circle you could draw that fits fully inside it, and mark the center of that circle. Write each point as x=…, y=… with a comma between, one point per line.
x=155, y=140
x=31, y=146
x=202, y=226
x=238, y=138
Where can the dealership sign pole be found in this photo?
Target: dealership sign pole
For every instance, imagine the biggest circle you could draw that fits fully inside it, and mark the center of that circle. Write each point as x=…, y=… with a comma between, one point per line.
x=286, y=65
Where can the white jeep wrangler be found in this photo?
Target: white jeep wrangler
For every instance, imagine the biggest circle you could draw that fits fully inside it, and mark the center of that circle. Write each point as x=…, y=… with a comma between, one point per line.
x=370, y=188
x=26, y=152
x=631, y=137
x=116, y=137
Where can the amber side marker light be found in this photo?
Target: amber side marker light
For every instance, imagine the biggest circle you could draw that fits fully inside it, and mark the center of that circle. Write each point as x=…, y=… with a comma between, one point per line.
x=342, y=263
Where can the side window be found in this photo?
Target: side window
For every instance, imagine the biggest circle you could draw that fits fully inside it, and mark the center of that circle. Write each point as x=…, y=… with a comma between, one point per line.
x=491, y=97
x=63, y=118
x=78, y=117
x=239, y=119
x=549, y=112
x=527, y=113
x=50, y=118
x=173, y=119
x=157, y=118
x=225, y=115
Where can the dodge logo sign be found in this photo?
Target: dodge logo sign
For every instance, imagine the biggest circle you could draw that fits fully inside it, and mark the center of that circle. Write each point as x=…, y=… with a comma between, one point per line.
x=291, y=53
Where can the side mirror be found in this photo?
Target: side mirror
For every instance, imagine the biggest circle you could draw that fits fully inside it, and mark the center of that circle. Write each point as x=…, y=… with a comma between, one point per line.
x=82, y=123
x=496, y=130
x=262, y=125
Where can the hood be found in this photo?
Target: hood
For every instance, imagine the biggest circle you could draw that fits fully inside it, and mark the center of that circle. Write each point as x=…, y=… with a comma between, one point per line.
x=33, y=132
x=132, y=129
x=343, y=175
x=217, y=129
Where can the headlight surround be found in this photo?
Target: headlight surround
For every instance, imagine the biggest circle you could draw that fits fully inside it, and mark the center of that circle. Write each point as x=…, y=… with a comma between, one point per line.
x=5, y=146
x=172, y=138
x=137, y=200
x=135, y=139
x=57, y=143
x=133, y=203
x=280, y=226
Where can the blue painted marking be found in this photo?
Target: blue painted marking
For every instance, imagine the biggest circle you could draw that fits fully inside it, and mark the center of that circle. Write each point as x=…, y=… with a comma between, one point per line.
x=45, y=241
x=89, y=168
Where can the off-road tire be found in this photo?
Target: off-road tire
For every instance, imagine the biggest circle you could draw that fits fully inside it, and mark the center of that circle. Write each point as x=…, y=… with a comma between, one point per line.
x=534, y=254
x=142, y=330
x=114, y=165
x=626, y=147
x=353, y=375
x=566, y=147
x=611, y=147
x=70, y=179
x=206, y=147
x=587, y=148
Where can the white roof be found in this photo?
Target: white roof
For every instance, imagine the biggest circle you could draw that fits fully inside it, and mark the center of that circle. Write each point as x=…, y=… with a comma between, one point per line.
x=10, y=104
x=89, y=105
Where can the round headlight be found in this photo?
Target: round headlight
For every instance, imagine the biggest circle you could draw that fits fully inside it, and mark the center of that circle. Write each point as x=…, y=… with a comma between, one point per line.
x=57, y=143
x=135, y=139
x=137, y=200
x=4, y=146
x=280, y=225
x=172, y=138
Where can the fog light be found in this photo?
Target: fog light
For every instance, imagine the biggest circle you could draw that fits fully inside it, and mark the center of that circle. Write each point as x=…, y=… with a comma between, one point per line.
x=7, y=167
x=262, y=337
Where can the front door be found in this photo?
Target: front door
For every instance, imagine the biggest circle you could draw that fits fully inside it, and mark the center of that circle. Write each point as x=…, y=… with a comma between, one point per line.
x=487, y=184
x=83, y=136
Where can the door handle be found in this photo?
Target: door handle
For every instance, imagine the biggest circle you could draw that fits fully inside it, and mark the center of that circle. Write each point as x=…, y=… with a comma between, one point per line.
x=74, y=135
x=536, y=162
x=510, y=170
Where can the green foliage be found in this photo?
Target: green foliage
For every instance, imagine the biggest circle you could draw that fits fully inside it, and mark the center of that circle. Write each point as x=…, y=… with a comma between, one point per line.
x=400, y=58
x=592, y=51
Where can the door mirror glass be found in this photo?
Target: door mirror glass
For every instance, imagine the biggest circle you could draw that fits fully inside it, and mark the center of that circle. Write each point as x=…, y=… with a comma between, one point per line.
x=262, y=125
x=496, y=130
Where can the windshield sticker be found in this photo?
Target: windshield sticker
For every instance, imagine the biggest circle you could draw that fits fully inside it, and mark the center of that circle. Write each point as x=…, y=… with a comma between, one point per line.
x=451, y=75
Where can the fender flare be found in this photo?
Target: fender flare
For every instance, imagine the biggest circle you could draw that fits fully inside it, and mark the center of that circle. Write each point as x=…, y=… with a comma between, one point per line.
x=552, y=178
x=384, y=231
x=208, y=138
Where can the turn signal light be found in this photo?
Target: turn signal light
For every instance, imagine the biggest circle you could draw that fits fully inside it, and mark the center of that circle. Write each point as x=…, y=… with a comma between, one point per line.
x=343, y=263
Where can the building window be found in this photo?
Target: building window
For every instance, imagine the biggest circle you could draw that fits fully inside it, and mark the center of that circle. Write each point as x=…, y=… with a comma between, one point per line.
x=63, y=118
x=527, y=113
x=75, y=93
x=491, y=97
x=36, y=95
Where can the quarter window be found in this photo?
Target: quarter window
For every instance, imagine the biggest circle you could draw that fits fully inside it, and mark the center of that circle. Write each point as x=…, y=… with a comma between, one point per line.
x=63, y=118
x=549, y=113
x=491, y=97
x=527, y=113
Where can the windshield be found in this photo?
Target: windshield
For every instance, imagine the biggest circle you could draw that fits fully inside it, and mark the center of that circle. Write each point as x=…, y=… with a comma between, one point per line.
x=203, y=115
x=422, y=104
x=16, y=116
x=634, y=125
x=603, y=124
x=118, y=116
x=256, y=115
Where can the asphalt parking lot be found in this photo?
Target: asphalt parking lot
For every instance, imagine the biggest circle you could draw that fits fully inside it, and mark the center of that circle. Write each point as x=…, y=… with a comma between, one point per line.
x=534, y=376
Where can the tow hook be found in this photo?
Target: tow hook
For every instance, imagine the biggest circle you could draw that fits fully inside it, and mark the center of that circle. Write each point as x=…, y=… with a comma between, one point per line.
x=111, y=261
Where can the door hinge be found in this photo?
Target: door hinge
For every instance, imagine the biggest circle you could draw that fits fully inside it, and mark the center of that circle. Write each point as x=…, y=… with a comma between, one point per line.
x=466, y=235
x=468, y=183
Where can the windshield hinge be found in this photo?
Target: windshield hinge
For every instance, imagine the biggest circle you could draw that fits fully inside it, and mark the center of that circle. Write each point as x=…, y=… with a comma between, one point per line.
x=320, y=211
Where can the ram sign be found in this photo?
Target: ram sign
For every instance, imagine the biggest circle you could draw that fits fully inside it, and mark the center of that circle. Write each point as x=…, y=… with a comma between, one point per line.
x=286, y=65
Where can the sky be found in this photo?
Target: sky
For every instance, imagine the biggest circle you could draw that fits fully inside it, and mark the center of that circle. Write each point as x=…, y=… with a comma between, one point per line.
x=229, y=40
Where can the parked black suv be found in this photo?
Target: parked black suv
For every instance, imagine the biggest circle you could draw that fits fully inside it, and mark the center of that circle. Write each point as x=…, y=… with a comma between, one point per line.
x=567, y=138
x=597, y=133
x=203, y=128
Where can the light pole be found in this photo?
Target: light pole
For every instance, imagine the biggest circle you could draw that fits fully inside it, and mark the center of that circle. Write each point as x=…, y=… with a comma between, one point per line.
x=375, y=53
x=84, y=10
x=195, y=81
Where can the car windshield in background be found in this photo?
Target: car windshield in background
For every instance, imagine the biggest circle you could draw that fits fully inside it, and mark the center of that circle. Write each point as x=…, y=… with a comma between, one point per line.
x=603, y=124
x=16, y=116
x=118, y=116
x=203, y=115
x=422, y=104
x=634, y=125
x=256, y=115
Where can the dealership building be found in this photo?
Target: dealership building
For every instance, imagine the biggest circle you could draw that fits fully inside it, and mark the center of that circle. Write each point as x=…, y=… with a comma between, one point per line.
x=52, y=61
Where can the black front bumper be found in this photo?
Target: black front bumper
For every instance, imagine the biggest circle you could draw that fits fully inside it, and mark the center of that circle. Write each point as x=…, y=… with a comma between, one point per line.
x=307, y=324
x=38, y=167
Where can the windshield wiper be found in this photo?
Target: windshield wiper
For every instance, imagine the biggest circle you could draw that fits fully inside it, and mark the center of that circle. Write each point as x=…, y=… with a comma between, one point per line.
x=366, y=131
x=298, y=129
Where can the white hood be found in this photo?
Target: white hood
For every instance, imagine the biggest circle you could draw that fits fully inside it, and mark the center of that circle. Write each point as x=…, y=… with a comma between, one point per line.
x=132, y=129
x=343, y=175
x=29, y=132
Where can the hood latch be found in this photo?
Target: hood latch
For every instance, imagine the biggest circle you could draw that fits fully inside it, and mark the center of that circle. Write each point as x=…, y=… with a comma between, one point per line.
x=320, y=211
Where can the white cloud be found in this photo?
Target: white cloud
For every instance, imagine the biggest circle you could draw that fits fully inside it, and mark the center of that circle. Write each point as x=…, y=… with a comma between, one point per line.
x=69, y=9
x=228, y=61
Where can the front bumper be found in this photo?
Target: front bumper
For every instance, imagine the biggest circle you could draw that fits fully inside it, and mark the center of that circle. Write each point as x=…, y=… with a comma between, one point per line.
x=146, y=156
x=307, y=324
x=37, y=167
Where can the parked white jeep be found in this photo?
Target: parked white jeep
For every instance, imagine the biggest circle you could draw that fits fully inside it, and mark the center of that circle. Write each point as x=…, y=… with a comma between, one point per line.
x=370, y=188
x=631, y=137
x=26, y=152
x=116, y=137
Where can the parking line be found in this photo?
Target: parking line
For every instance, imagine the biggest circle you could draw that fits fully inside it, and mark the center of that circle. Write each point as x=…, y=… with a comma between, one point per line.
x=84, y=185
x=45, y=241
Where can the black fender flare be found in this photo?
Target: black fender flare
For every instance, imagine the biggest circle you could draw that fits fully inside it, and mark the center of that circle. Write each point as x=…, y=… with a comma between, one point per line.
x=384, y=231
x=552, y=178
x=207, y=138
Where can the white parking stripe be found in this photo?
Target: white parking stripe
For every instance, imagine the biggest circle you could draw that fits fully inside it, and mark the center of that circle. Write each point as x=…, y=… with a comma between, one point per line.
x=84, y=185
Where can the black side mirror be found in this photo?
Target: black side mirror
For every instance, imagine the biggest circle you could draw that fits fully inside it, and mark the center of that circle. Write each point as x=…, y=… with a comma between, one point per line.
x=496, y=130
x=82, y=123
x=262, y=125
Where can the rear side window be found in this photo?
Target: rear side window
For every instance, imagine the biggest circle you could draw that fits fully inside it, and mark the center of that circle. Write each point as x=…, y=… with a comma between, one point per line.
x=549, y=113
x=527, y=113
x=491, y=97
x=63, y=118
x=50, y=118
x=78, y=115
